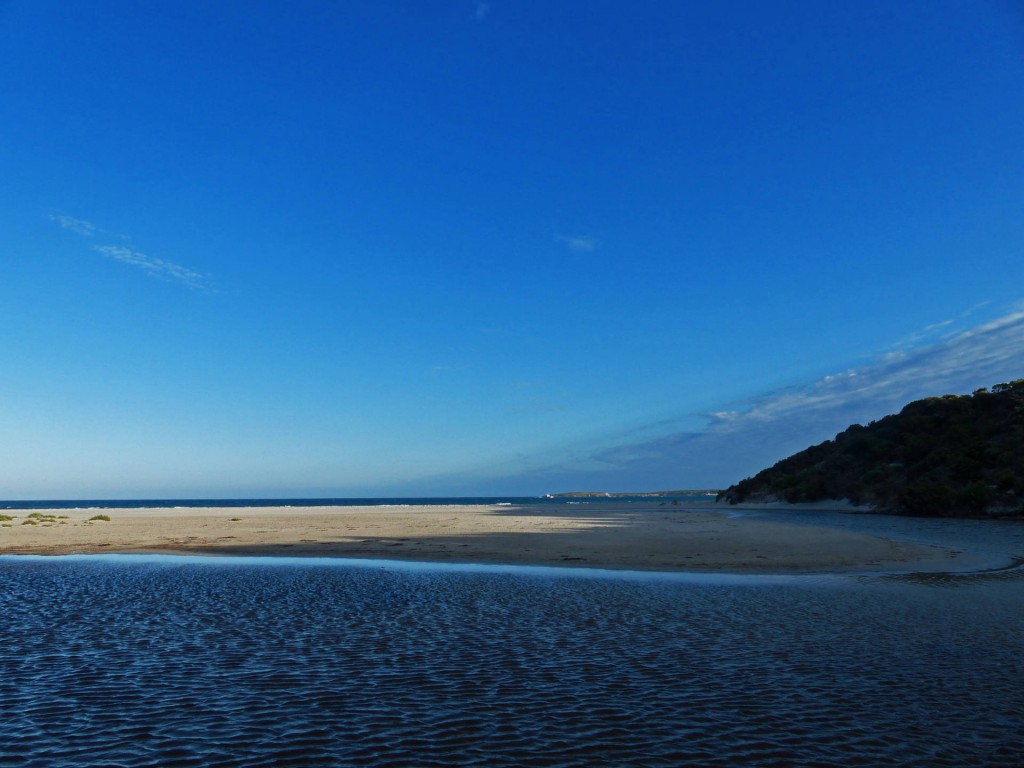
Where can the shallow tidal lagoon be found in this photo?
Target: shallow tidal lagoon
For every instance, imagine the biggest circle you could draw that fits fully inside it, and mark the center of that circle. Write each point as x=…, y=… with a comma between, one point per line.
x=164, y=661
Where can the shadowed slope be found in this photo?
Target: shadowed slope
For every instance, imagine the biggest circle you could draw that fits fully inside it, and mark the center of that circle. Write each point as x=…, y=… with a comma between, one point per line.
x=941, y=456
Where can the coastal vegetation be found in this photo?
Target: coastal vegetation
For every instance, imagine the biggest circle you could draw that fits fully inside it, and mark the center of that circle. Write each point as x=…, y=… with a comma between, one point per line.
x=35, y=518
x=957, y=455
x=47, y=519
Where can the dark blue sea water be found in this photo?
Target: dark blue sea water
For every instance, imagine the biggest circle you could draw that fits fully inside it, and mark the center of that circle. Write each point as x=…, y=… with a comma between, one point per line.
x=164, y=661
x=417, y=501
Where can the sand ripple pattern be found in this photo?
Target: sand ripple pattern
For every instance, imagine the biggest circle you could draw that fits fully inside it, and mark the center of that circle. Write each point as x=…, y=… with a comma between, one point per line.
x=183, y=665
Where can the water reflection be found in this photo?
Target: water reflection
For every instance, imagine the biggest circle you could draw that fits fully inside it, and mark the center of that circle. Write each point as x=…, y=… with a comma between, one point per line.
x=1013, y=573
x=164, y=661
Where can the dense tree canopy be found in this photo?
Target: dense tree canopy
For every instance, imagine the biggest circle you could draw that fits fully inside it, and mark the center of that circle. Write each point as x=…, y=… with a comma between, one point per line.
x=941, y=456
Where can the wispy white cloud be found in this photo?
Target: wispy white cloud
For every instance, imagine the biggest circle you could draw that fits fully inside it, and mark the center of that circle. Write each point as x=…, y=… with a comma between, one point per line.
x=579, y=243
x=155, y=267
x=943, y=329
x=78, y=226
x=744, y=437
x=151, y=265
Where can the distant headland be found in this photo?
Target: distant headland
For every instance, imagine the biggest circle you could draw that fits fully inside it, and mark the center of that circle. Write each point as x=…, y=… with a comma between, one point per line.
x=951, y=456
x=636, y=495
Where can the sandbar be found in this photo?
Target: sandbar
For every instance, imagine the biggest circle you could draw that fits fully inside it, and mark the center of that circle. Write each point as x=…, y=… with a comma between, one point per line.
x=690, y=537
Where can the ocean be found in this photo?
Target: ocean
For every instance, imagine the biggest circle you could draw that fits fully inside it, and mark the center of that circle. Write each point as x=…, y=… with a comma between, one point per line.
x=151, y=660
x=418, y=501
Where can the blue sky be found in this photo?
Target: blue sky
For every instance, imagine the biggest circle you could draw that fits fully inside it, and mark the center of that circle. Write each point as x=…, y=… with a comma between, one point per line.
x=456, y=247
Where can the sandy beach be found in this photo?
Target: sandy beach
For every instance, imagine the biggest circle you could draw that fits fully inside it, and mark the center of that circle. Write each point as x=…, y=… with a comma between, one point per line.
x=605, y=535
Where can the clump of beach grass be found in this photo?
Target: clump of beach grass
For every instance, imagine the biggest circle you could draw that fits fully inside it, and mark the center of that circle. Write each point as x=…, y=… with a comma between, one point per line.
x=104, y=518
x=5, y=518
x=30, y=522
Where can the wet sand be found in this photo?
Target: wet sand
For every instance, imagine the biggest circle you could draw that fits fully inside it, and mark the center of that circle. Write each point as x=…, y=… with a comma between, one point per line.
x=694, y=537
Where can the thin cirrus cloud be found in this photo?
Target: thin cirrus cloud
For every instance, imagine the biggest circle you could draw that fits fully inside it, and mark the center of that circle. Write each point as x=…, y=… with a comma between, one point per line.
x=748, y=436
x=78, y=226
x=151, y=265
x=579, y=243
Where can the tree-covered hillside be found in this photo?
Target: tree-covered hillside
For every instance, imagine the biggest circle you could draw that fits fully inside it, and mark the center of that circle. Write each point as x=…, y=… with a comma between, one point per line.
x=941, y=456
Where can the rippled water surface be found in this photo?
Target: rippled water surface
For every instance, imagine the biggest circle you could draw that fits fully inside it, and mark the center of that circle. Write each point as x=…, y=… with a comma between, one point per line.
x=161, y=662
